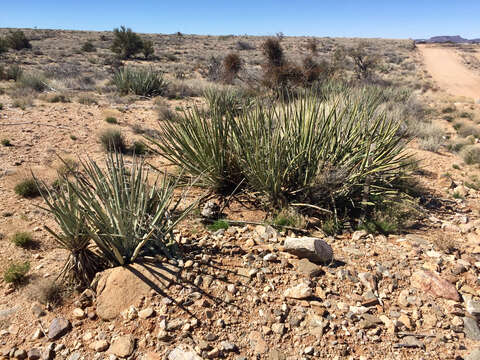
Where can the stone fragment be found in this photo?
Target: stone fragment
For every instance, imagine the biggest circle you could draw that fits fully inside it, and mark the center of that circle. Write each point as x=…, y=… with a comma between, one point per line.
x=146, y=313
x=300, y=291
x=314, y=249
x=99, y=345
x=58, y=327
x=471, y=329
x=257, y=342
x=183, y=352
x=122, y=346
x=432, y=283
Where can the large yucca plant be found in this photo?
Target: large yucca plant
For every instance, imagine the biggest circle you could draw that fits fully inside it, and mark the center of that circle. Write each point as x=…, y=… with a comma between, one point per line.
x=128, y=217
x=139, y=81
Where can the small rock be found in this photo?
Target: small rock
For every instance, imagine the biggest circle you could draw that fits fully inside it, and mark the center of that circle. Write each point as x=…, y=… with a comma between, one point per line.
x=58, y=327
x=20, y=354
x=257, y=342
x=473, y=307
x=309, y=350
x=227, y=346
x=314, y=249
x=122, y=346
x=183, y=352
x=99, y=345
x=34, y=354
x=270, y=257
x=301, y=291
x=278, y=328
x=37, y=310
x=471, y=329
x=146, y=313
x=78, y=313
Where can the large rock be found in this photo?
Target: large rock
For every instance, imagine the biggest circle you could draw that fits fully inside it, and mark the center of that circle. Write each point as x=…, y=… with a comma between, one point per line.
x=474, y=355
x=471, y=329
x=122, y=346
x=183, y=352
x=314, y=249
x=430, y=282
x=58, y=327
x=121, y=287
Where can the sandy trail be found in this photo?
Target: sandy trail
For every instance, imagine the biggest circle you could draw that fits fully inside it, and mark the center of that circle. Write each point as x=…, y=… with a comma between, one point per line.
x=449, y=72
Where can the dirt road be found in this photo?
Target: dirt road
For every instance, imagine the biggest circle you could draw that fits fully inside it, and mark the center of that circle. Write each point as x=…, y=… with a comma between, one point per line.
x=449, y=72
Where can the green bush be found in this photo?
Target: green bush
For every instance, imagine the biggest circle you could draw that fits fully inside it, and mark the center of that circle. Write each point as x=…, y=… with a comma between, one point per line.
x=127, y=214
x=27, y=188
x=148, y=49
x=310, y=152
x=217, y=225
x=22, y=239
x=111, y=120
x=126, y=43
x=88, y=47
x=144, y=82
x=17, y=40
x=6, y=142
x=3, y=45
x=139, y=148
x=113, y=140
x=13, y=72
x=15, y=273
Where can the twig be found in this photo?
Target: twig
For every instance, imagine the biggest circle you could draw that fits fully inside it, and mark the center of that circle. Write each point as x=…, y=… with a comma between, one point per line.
x=402, y=334
x=312, y=206
x=36, y=124
x=241, y=222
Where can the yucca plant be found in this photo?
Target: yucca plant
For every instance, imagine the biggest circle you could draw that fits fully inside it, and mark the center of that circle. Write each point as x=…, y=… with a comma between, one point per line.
x=228, y=101
x=127, y=216
x=74, y=234
x=199, y=142
x=138, y=81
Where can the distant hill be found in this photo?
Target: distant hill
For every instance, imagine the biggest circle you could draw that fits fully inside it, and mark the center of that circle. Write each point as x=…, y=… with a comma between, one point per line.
x=457, y=39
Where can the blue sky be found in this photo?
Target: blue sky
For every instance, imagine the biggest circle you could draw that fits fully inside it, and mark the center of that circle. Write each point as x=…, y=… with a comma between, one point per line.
x=342, y=18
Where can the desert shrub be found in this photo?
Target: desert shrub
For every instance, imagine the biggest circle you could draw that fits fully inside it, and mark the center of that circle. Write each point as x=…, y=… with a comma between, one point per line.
x=88, y=46
x=449, y=110
x=16, y=272
x=243, y=45
x=466, y=115
x=232, y=101
x=6, y=142
x=312, y=46
x=87, y=100
x=139, y=148
x=303, y=152
x=144, y=82
x=181, y=90
x=431, y=136
x=459, y=143
x=59, y=98
x=126, y=43
x=148, y=49
x=113, y=140
x=232, y=64
x=218, y=225
x=111, y=120
x=46, y=291
x=465, y=129
x=27, y=188
x=3, y=45
x=128, y=216
x=214, y=69
x=67, y=167
x=17, y=40
x=470, y=154
x=13, y=72
x=22, y=239
x=272, y=49
x=34, y=81
x=364, y=63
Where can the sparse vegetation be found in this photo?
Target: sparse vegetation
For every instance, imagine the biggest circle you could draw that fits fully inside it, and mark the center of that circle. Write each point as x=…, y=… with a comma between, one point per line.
x=16, y=272
x=113, y=140
x=126, y=43
x=470, y=154
x=148, y=49
x=218, y=225
x=6, y=142
x=22, y=239
x=232, y=64
x=88, y=46
x=111, y=120
x=17, y=40
x=27, y=188
x=144, y=82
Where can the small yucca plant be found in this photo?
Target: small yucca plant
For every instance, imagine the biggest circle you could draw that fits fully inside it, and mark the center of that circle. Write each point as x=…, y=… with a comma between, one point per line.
x=144, y=82
x=127, y=216
x=73, y=235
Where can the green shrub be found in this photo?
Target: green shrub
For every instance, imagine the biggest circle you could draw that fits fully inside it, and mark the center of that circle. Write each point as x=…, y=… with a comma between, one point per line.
x=465, y=130
x=6, y=142
x=88, y=46
x=365, y=63
x=13, y=72
x=466, y=115
x=144, y=82
x=139, y=148
x=15, y=273
x=17, y=40
x=22, y=239
x=126, y=43
x=1, y=106
x=113, y=140
x=148, y=49
x=111, y=120
x=3, y=45
x=448, y=109
x=59, y=98
x=470, y=154
x=127, y=215
x=87, y=100
x=27, y=188
x=217, y=225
